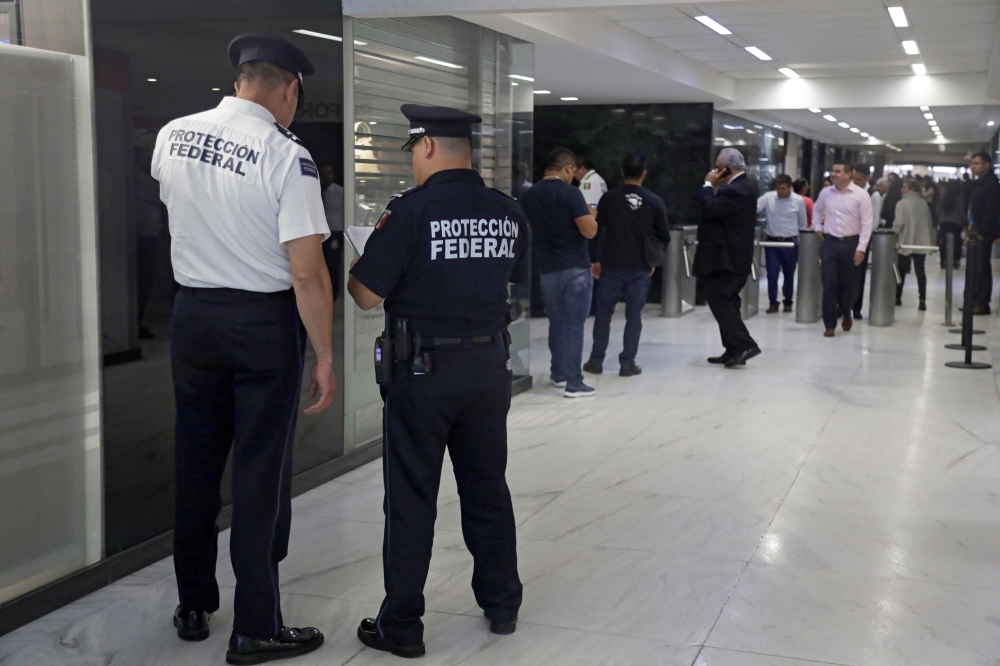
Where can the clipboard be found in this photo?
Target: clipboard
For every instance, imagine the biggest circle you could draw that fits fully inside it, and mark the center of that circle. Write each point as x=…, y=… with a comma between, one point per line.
x=358, y=236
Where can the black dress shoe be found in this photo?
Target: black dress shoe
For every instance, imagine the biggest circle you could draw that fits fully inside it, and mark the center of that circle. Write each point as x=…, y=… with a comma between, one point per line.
x=629, y=370
x=288, y=643
x=593, y=367
x=368, y=633
x=191, y=625
x=719, y=360
x=742, y=357
x=503, y=628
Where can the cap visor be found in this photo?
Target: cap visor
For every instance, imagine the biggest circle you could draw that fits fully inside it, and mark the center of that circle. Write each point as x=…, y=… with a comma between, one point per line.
x=408, y=144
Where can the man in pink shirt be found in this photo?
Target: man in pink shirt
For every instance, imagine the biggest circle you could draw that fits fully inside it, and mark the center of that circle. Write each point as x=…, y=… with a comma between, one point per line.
x=842, y=217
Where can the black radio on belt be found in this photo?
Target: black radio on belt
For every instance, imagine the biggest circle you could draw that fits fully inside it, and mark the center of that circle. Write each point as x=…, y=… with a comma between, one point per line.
x=384, y=360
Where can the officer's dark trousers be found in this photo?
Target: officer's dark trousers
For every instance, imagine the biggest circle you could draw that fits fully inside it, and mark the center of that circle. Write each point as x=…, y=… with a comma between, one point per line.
x=237, y=364
x=722, y=293
x=463, y=406
x=840, y=277
x=634, y=284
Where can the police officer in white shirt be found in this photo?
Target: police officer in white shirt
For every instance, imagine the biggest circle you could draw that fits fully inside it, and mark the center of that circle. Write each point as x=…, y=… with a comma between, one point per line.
x=247, y=225
x=591, y=183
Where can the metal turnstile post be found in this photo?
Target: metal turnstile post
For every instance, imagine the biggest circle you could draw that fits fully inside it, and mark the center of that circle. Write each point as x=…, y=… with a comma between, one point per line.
x=750, y=294
x=885, y=277
x=949, y=275
x=809, y=294
x=678, y=281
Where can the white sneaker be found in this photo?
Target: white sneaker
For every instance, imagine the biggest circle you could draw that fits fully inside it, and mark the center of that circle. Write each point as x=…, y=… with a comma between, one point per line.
x=583, y=391
x=556, y=384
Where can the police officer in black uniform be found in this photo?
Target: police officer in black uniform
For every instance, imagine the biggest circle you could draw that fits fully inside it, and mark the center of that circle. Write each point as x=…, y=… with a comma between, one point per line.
x=441, y=257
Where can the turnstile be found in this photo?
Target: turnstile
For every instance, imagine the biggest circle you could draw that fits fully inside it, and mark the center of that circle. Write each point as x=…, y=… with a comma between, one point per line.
x=809, y=292
x=750, y=294
x=885, y=277
x=678, y=281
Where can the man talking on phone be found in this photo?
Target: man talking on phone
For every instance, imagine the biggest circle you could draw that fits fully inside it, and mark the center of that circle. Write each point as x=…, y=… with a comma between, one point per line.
x=725, y=252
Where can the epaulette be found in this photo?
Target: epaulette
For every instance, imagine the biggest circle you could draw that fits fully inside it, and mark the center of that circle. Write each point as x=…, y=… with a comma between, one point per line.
x=287, y=134
x=509, y=196
x=400, y=195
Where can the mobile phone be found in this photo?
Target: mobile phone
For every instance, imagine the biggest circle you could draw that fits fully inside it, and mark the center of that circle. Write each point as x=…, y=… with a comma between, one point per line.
x=725, y=171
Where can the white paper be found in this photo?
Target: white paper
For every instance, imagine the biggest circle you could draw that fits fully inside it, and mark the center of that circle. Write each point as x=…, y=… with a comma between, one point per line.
x=359, y=237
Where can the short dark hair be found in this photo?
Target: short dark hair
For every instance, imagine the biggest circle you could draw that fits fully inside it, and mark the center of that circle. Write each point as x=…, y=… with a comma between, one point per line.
x=799, y=184
x=863, y=168
x=634, y=165
x=844, y=163
x=584, y=162
x=783, y=179
x=559, y=158
x=459, y=145
x=984, y=156
x=265, y=73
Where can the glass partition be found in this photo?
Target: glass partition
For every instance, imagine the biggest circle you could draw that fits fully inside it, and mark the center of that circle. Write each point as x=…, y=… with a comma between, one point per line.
x=440, y=61
x=763, y=147
x=50, y=401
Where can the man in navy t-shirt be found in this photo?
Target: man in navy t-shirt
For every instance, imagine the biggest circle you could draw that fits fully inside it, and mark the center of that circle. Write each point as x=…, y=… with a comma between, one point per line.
x=561, y=224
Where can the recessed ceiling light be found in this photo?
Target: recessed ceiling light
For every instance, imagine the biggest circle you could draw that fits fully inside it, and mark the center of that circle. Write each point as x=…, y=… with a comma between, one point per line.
x=855, y=130
x=815, y=110
x=757, y=53
x=714, y=25
x=323, y=35
x=790, y=73
x=919, y=68
x=898, y=16
x=438, y=62
x=372, y=122
x=830, y=118
x=519, y=77
x=911, y=47
x=925, y=108
x=514, y=83
x=865, y=134
x=402, y=182
x=570, y=99
x=216, y=89
x=844, y=125
x=543, y=92
x=778, y=127
x=932, y=123
x=151, y=80
x=990, y=124
x=929, y=116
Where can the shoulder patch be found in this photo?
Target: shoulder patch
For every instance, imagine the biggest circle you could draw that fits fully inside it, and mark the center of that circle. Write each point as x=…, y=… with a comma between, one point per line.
x=288, y=135
x=509, y=196
x=308, y=168
x=381, y=220
x=400, y=195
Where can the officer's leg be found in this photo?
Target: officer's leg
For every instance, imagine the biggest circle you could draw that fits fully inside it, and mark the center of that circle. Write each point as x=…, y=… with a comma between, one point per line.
x=478, y=448
x=417, y=417
x=609, y=289
x=266, y=392
x=635, y=300
x=204, y=432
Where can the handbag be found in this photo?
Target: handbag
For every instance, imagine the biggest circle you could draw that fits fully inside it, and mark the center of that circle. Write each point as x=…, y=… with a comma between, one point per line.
x=656, y=251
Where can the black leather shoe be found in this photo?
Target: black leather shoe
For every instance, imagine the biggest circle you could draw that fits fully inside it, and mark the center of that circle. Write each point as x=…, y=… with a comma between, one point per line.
x=742, y=357
x=593, y=367
x=719, y=360
x=629, y=370
x=191, y=625
x=369, y=635
x=503, y=628
x=288, y=643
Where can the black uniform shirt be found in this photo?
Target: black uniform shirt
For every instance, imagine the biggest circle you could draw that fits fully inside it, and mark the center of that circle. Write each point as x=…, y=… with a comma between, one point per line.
x=552, y=206
x=628, y=215
x=443, y=254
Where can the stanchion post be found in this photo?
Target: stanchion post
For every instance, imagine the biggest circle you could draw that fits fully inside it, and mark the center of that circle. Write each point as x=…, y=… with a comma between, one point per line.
x=949, y=274
x=971, y=275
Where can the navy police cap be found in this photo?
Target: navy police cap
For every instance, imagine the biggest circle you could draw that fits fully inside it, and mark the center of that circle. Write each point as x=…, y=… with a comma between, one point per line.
x=275, y=50
x=437, y=121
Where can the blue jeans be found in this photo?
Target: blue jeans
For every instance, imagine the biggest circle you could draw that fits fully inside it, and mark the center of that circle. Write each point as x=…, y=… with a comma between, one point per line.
x=567, y=295
x=781, y=260
x=635, y=284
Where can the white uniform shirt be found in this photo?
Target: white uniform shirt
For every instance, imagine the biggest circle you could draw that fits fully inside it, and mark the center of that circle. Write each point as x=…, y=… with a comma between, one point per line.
x=785, y=217
x=593, y=188
x=237, y=187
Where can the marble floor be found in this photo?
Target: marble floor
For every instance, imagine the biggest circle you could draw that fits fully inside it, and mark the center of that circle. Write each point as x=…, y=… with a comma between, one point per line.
x=834, y=502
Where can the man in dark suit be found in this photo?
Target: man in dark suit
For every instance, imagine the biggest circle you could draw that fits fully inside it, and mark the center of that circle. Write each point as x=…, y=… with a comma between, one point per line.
x=984, y=214
x=725, y=251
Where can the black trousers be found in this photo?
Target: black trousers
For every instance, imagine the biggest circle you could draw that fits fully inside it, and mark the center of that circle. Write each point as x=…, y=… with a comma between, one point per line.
x=237, y=363
x=461, y=405
x=840, y=277
x=918, y=261
x=722, y=293
x=859, y=302
x=983, y=294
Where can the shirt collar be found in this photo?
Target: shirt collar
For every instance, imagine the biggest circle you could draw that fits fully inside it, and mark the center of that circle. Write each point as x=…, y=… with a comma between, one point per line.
x=455, y=176
x=741, y=173
x=246, y=106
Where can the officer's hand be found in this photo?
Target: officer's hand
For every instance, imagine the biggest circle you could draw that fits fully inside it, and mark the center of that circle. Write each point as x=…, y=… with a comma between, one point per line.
x=323, y=382
x=595, y=270
x=859, y=256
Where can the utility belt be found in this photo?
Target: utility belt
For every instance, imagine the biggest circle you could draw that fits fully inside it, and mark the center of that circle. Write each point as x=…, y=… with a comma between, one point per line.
x=401, y=350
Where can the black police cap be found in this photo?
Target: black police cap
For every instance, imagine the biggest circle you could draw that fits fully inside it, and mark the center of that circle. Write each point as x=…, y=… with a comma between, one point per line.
x=437, y=121
x=275, y=50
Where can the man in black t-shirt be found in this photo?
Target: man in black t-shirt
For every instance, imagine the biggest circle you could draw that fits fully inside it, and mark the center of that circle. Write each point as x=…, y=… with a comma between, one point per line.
x=629, y=215
x=561, y=225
